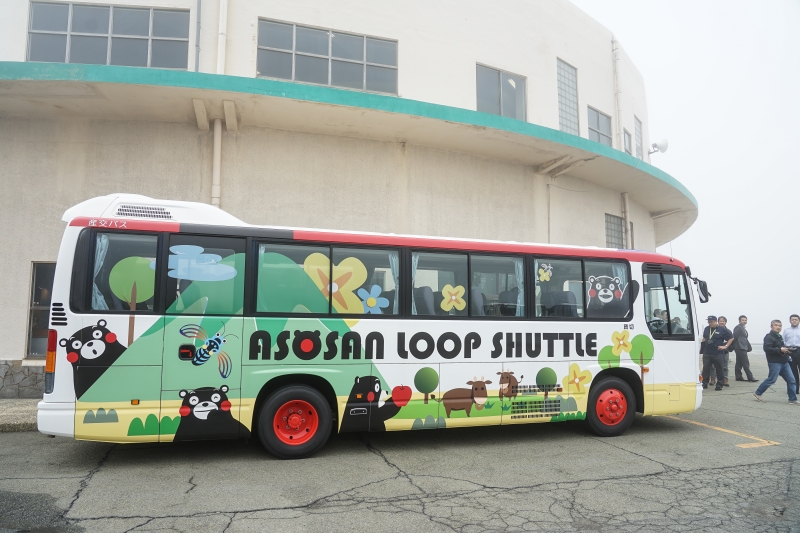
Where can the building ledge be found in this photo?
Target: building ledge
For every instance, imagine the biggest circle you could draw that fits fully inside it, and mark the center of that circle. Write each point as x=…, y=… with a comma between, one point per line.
x=102, y=92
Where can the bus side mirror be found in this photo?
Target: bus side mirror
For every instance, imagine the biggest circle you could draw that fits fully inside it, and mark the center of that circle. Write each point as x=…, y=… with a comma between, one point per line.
x=702, y=291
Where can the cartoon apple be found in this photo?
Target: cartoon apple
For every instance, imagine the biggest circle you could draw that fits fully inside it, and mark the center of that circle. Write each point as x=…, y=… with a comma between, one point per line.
x=401, y=395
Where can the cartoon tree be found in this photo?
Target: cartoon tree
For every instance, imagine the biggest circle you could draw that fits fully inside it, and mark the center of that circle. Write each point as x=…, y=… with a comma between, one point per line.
x=132, y=281
x=426, y=380
x=546, y=380
x=642, y=352
x=607, y=359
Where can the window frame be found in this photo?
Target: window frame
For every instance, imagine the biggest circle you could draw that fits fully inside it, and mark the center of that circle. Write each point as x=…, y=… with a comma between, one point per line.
x=599, y=133
x=627, y=142
x=330, y=58
x=620, y=221
x=577, y=99
x=109, y=35
x=669, y=336
x=638, y=137
x=32, y=308
x=509, y=73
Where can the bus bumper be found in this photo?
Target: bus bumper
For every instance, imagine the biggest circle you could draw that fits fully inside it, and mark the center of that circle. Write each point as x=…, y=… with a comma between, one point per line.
x=698, y=397
x=56, y=418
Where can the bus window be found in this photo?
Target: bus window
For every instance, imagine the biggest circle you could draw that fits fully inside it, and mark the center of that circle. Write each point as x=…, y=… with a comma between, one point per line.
x=679, y=310
x=655, y=305
x=497, y=283
x=124, y=272
x=367, y=281
x=205, y=275
x=559, y=291
x=440, y=282
x=607, y=289
x=291, y=279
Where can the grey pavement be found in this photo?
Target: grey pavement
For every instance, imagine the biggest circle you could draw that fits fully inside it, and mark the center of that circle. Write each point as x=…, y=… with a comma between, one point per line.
x=721, y=473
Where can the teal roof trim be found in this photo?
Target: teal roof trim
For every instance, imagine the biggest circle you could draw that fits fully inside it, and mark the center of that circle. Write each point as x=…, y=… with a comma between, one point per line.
x=314, y=93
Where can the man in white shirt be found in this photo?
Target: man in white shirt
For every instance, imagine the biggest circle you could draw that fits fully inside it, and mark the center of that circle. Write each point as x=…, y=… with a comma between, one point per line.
x=791, y=338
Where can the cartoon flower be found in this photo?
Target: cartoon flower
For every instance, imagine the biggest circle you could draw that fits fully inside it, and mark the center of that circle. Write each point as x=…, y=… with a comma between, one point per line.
x=545, y=271
x=348, y=275
x=620, y=342
x=372, y=301
x=577, y=382
x=453, y=297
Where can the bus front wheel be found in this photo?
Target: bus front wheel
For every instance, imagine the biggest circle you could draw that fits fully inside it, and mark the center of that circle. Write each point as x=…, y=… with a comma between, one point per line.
x=611, y=408
x=294, y=422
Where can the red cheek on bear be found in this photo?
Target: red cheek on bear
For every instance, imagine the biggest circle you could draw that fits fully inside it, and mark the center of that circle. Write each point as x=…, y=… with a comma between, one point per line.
x=618, y=294
x=370, y=397
x=185, y=410
x=110, y=337
x=592, y=293
x=225, y=406
x=72, y=357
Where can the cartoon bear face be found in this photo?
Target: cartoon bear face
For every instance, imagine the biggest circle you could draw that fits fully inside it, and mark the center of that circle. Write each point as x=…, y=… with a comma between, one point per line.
x=204, y=401
x=604, y=288
x=89, y=343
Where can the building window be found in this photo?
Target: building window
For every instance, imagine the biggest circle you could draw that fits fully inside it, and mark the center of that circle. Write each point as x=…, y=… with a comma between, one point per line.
x=638, y=132
x=599, y=127
x=500, y=93
x=326, y=57
x=41, y=291
x=567, y=76
x=615, y=232
x=108, y=35
x=628, y=149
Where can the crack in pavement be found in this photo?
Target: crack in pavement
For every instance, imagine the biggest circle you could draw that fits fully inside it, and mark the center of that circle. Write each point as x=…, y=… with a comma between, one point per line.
x=85, y=482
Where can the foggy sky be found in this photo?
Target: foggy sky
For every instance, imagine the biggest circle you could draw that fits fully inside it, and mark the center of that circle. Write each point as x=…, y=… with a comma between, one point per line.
x=723, y=83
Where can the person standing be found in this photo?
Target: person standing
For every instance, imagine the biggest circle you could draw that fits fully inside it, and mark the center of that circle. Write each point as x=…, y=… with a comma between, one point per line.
x=716, y=341
x=726, y=356
x=791, y=336
x=778, y=361
x=741, y=345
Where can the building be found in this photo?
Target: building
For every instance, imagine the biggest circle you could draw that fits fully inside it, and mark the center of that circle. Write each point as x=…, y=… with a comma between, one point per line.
x=519, y=121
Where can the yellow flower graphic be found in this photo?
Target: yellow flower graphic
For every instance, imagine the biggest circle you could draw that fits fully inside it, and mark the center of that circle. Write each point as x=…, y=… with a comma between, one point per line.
x=620, y=342
x=544, y=272
x=348, y=275
x=453, y=297
x=577, y=382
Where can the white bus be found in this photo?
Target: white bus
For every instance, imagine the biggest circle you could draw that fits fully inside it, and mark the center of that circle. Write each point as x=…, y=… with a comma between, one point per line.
x=176, y=321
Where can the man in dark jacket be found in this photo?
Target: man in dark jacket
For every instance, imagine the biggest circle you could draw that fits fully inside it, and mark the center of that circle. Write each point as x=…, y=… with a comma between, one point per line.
x=741, y=345
x=716, y=341
x=778, y=361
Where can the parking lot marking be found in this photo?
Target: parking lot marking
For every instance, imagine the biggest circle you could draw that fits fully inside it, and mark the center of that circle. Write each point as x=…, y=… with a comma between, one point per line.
x=759, y=441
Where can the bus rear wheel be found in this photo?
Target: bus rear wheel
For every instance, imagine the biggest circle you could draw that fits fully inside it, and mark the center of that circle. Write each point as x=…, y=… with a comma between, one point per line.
x=294, y=422
x=611, y=408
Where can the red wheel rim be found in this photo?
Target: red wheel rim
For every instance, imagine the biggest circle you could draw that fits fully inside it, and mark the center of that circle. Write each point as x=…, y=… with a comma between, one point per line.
x=611, y=407
x=295, y=422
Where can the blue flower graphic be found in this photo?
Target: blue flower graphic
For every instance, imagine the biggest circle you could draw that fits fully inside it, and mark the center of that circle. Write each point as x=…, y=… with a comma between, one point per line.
x=373, y=303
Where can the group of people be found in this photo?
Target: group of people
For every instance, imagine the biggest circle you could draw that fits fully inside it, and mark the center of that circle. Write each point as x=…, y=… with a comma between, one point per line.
x=782, y=352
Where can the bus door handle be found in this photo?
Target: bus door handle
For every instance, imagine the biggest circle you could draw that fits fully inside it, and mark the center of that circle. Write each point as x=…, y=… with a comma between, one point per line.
x=186, y=352
x=358, y=411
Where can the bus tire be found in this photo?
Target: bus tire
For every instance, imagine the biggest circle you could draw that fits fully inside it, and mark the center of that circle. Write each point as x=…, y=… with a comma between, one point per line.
x=611, y=408
x=294, y=422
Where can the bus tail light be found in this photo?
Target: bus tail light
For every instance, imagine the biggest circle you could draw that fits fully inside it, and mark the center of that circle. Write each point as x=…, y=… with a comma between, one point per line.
x=50, y=362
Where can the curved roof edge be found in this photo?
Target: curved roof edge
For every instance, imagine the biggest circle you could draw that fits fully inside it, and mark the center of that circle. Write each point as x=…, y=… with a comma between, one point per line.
x=19, y=71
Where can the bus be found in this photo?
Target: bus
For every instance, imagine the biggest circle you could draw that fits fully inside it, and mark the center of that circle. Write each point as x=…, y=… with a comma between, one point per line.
x=174, y=321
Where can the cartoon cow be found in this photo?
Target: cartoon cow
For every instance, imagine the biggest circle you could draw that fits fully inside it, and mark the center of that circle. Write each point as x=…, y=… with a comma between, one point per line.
x=508, y=385
x=462, y=399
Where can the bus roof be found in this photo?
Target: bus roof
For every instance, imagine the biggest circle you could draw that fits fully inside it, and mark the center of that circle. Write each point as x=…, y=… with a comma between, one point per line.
x=137, y=212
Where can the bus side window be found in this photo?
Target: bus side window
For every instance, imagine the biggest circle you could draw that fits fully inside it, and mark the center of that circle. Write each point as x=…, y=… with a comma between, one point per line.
x=439, y=284
x=679, y=309
x=607, y=290
x=124, y=272
x=205, y=275
x=293, y=279
x=497, y=286
x=559, y=289
x=367, y=281
x=655, y=305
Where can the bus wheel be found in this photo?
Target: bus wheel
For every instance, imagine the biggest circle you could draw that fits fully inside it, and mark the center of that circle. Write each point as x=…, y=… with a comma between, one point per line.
x=611, y=408
x=294, y=422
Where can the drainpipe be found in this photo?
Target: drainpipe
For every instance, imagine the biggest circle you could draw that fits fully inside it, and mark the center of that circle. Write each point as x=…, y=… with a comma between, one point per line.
x=217, y=156
x=197, y=39
x=627, y=220
x=617, y=93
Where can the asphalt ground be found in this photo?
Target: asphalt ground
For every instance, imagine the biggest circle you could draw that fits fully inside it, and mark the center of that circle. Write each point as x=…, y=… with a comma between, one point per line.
x=733, y=465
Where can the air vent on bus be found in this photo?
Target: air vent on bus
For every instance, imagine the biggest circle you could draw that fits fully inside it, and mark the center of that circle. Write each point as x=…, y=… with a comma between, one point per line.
x=57, y=315
x=143, y=211
x=652, y=266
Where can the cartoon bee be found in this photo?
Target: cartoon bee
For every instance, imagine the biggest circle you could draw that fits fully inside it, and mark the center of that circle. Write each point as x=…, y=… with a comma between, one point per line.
x=211, y=346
